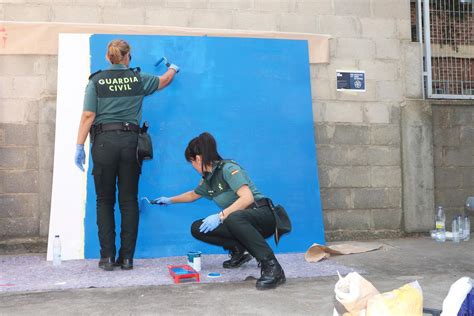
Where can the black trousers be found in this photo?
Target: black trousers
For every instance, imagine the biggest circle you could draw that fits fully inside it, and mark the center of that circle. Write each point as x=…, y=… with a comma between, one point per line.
x=246, y=228
x=115, y=166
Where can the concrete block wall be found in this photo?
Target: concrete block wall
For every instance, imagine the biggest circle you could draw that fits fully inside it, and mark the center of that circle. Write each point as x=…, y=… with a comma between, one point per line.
x=453, y=146
x=358, y=134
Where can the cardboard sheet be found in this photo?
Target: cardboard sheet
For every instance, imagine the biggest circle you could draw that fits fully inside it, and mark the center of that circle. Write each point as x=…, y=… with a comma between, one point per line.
x=319, y=252
x=41, y=38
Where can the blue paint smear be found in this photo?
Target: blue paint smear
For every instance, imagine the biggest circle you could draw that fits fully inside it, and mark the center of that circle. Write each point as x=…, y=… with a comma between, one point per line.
x=254, y=96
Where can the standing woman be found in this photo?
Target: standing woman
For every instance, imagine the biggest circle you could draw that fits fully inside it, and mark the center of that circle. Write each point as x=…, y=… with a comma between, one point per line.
x=112, y=113
x=246, y=218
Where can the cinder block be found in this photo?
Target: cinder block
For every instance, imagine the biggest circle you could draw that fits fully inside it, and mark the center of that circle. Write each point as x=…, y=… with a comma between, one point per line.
x=324, y=133
x=323, y=175
x=380, y=69
x=319, y=109
x=317, y=7
x=23, y=65
x=51, y=85
x=6, y=86
x=118, y=15
x=231, y=4
x=14, y=110
x=339, y=26
x=343, y=112
x=12, y=157
x=393, y=9
x=359, y=8
x=386, y=177
x=395, y=113
x=348, y=220
x=47, y=111
x=384, y=156
x=30, y=87
x=147, y=4
x=459, y=157
x=76, y=14
x=275, y=6
x=321, y=89
x=468, y=177
x=20, y=135
x=31, y=154
x=188, y=4
x=378, y=28
x=448, y=178
x=22, y=181
x=467, y=136
x=255, y=21
x=377, y=113
x=387, y=218
x=451, y=198
x=442, y=115
x=328, y=71
x=166, y=16
x=388, y=135
x=27, y=12
x=298, y=23
x=18, y=205
x=389, y=91
x=351, y=134
x=336, y=199
x=333, y=155
x=211, y=19
x=449, y=136
x=19, y=227
x=377, y=198
x=463, y=115
x=368, y=198
x=404, y=29
x=356, y=48
x=387, y=48
x=344, y=177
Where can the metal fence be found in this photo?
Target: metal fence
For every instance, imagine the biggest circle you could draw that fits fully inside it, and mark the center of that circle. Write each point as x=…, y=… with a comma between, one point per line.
x=448, y=32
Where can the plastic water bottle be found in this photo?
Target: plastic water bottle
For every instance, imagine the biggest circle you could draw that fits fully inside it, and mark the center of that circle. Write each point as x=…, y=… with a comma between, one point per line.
x=440, y=225
x=56, y=251
x=467, y=228
x=461, y=227
x=455, y=228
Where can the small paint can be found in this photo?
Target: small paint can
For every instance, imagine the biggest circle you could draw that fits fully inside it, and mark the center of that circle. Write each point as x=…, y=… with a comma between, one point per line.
x=194, y=260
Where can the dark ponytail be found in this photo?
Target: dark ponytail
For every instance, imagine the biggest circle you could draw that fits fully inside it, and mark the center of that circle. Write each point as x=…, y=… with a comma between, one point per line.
x=205, y=146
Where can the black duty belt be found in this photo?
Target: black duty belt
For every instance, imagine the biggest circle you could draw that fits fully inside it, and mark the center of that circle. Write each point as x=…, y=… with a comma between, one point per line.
x=123, y=126
x=261, y=203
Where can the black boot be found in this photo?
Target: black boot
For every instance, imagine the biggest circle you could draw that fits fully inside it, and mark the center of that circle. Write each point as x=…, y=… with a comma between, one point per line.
x=124, y=264
x=237, y=258
x=272, y=275
x=107, y=264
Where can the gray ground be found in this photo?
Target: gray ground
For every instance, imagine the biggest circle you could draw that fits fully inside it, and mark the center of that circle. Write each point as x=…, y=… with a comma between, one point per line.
x=435, y=266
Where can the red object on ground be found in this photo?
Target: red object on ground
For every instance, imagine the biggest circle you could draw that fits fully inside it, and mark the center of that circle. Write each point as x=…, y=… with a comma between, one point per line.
x=183, y=271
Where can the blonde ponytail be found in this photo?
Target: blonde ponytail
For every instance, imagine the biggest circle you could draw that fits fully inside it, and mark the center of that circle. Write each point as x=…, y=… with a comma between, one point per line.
x=116, y=51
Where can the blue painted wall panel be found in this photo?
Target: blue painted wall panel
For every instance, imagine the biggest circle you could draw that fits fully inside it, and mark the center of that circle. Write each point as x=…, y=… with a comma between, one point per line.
x=254, y=96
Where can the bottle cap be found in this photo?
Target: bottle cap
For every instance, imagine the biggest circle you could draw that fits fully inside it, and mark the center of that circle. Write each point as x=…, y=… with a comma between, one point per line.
x=56, y=236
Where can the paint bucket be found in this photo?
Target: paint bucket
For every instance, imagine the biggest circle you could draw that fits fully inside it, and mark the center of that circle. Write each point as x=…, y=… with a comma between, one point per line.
x=194, y=260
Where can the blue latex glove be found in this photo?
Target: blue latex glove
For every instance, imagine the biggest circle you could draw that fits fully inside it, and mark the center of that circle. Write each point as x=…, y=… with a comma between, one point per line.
x=163, y=200
x=174, y=67
x=210, y=223
x=80, y=156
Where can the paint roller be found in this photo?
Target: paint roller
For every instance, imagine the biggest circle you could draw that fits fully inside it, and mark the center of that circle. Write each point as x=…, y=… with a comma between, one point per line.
x=167, y=64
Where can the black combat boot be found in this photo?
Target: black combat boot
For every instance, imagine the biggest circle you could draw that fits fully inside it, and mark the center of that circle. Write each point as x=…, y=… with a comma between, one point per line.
x=107, y=264
x=124, y=264
x=237, y=258
x=272, y=274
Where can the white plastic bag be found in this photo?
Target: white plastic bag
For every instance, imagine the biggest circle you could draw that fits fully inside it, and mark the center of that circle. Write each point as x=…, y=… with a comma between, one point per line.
x=456, y=296
x=352, y=293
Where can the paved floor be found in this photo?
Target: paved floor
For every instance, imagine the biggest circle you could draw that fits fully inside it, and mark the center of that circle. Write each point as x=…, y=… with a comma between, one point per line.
x=435, y=266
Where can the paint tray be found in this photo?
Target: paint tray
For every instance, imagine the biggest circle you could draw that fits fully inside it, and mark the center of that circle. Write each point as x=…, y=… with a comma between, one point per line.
x=182, y=272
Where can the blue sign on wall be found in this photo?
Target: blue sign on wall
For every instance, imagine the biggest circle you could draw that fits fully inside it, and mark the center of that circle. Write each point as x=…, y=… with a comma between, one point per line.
x=254, y=96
